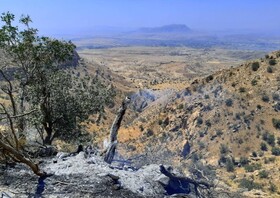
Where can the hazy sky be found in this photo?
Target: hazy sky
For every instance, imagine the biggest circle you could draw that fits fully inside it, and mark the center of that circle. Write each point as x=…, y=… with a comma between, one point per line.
x=65, y=16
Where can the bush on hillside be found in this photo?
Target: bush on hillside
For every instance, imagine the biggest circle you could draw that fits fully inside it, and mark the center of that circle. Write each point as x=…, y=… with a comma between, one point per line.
x=272, y=62
x=275, y=151
x=252, y=167
x=276, y=123
x=265, y=98
x=255, y=66
x=263, y=146
x=269, y=69
x=244, y=161
x=249, y=184
x=254, y=82
x=229, y=102
x=229, y=165
x=242, y=90
x=224, y=149
x=263, y=174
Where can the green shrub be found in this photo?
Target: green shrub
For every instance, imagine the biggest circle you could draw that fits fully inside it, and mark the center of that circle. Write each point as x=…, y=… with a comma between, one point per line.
x=201, y=145
x=180, y=106
x=265, y=136
x=252, y=167
x=269, y=69
x=272, y=187
x=206, y=96
x=242, y=89
x=254, y=153
x=149, y=132
x=229, y=165
x=265, y=98
x=272, y=62
x=219, y=132
x=275, y=96
x=244, y=161
x=271, y=140
x=224, y=149
x=275, y=151
x=229, y=102
x=208, y=123
x=199, y=120
x=254, y=82
x=263, y=146
x=255, y=66
x=201, y=133
x=263, y=174
x=250, y=185
x=276, y=123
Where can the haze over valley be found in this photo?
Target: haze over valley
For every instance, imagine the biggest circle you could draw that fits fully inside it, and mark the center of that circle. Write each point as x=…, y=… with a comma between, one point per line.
x=140, y=99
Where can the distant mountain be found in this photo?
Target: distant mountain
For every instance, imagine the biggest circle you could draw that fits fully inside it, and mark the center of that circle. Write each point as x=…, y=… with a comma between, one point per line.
x=173, y=28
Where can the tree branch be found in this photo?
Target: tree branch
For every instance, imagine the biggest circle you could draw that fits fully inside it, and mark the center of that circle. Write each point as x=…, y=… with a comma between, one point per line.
x=110, y=150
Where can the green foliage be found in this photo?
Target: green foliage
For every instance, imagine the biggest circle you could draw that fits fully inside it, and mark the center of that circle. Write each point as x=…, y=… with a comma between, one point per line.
x=219, y=132
x=269, y=69
x=271, y=139
x=269, y=160
x=276, y=123
x=272, y=62
x=275, y=151
x=229, y=165
x=242, y=90
x=149, y=132
x=180, y=106
x=272, y=187
x=255, y=66
x=265, y=98
x=244, y=161
x=252, y=167
x=263, y=146
x=201, y=145
x=249, y=184
x=254, y=154
x=276, y=96
x=229, y=102
x=254, y=82
x=224, y=149
x=41, y=83
x=199, y=120
x=263, y=174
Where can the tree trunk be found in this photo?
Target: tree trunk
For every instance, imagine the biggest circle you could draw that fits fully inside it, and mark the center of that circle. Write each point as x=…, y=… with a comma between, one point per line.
x=20, y=157
x=110, y=150
x=48, y=139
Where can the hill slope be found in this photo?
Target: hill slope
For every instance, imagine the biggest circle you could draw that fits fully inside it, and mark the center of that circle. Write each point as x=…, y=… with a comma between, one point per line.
x=228, y=120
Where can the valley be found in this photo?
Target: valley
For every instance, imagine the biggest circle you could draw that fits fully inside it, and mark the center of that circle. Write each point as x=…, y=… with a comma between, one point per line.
x=209, y=107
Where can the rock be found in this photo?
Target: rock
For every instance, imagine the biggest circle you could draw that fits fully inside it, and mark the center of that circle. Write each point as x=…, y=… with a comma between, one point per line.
x=61, y=155
x=163, y=180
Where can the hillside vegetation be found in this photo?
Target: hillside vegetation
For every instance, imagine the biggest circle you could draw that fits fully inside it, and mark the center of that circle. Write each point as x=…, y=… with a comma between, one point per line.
x=229, y=121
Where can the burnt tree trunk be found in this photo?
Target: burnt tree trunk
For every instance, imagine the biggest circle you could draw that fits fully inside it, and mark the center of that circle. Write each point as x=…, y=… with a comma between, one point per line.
x=17, y=155
x=110, y=150
x=177, y=185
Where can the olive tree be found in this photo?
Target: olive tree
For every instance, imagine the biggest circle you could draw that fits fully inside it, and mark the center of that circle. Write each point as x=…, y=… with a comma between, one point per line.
x=38, y=91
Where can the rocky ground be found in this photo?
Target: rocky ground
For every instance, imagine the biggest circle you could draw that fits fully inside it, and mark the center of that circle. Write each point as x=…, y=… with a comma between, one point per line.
x=88, y=176
x=80, y=176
